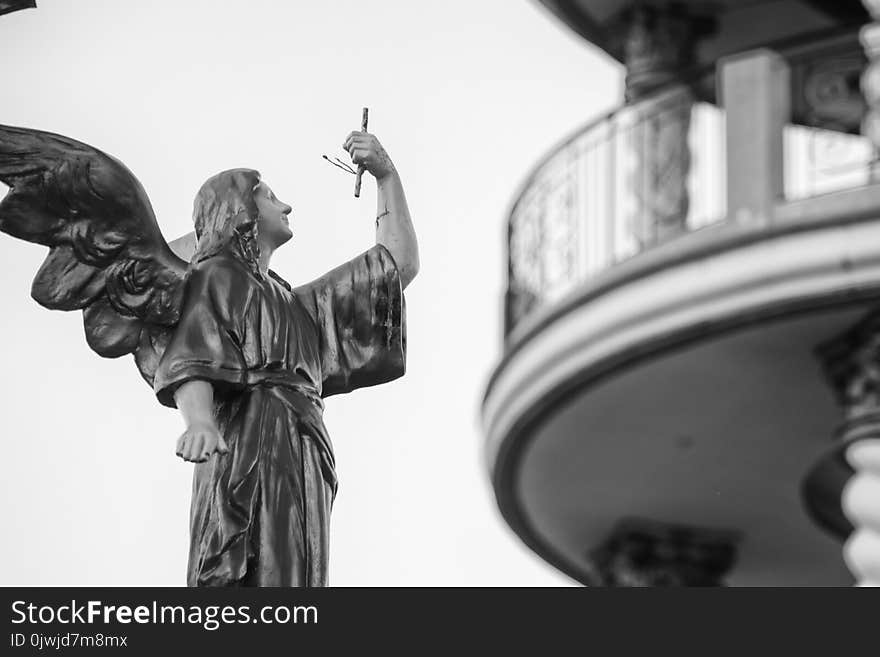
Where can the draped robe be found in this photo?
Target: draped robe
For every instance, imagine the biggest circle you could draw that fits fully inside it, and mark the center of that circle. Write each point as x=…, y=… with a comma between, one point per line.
x=260, y=513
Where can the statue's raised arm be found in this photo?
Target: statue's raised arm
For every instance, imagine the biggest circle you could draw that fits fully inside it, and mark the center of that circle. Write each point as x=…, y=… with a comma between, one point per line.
x=107, y=256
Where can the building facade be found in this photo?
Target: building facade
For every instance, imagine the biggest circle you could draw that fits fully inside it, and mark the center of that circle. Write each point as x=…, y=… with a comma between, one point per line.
x=690, y=383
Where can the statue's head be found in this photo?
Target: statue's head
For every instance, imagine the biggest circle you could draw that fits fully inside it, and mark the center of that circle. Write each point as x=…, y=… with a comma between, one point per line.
x=273, y=217
x=235, y=209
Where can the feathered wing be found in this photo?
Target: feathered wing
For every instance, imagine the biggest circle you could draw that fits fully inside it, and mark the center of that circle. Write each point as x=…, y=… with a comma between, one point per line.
x=107, y=256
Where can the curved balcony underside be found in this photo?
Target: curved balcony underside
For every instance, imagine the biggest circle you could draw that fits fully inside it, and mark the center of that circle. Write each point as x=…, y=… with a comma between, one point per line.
x=680, y=386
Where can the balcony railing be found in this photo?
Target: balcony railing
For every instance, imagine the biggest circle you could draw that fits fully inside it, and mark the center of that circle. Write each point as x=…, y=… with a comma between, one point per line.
x=819, y=161
x=625, y=182
x=641, y=176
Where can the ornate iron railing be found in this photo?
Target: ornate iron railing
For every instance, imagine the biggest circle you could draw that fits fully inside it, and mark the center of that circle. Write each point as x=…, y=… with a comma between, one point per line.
x=638, y=177
x=632, y=179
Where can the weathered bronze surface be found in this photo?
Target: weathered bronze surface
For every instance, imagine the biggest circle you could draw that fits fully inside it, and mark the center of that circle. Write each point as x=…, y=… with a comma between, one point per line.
x=264, y=487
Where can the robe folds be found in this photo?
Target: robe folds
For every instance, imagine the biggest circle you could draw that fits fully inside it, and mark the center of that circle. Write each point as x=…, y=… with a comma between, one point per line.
x=260, y=513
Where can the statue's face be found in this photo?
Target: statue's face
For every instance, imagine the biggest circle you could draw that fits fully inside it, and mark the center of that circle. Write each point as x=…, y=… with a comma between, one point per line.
x=274, y=223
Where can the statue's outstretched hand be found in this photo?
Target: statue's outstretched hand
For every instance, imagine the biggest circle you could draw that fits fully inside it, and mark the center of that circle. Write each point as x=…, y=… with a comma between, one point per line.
x=366, y=151
x=199, y=442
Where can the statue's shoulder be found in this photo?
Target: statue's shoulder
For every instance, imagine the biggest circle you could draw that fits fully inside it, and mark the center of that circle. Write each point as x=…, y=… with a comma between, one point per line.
x=222, y=272
x=222, y=262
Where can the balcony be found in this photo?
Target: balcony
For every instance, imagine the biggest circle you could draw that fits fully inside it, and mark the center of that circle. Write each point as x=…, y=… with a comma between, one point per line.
x=617, y=187
x=639, y=177
x=672, y=268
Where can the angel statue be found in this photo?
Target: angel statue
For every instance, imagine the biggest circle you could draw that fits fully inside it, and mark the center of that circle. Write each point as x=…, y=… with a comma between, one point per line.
x=245, y=357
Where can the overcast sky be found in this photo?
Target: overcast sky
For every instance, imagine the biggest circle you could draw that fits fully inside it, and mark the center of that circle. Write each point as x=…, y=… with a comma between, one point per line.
x=465, y=96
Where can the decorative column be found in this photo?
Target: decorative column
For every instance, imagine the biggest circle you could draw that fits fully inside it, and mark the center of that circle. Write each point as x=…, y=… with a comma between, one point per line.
x=870, y=38
x=659, y=47
x=861, y=503
x=643, y=553
x=842, y=492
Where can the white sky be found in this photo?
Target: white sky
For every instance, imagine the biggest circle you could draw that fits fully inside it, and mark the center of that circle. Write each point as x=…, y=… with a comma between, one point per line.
x=465, y=95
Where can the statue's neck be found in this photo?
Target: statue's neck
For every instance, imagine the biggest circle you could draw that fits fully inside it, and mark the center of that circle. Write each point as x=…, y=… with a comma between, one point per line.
x=266, y=251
